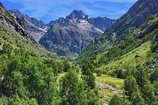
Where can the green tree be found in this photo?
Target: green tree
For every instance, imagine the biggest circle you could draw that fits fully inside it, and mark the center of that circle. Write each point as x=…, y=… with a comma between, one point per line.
x=69, y=86
x=67, y=66
x=41, y=83
x=75, y=91
x=116, y=100
x=133, y=92
x=141, y=77
x=130, y=86
x=87, y=71
x=148, y=94
x=136, y=98
x=7, y=48
x=154, y=76
x=16, y=100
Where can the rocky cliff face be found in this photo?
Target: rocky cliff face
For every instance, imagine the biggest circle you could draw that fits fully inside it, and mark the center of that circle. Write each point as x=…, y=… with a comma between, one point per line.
x=32, y=26
x=9, y=21
x=70, y=36
x=102, y=23
x=135, y=17
x=2, y=8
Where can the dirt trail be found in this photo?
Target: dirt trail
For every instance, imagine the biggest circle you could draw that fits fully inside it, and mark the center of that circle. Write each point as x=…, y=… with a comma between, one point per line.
x=106, y=86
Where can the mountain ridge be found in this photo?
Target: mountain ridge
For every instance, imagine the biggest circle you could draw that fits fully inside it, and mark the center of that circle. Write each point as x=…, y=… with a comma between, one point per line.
x=70, y=35
x=33, y=27
x=134, y=18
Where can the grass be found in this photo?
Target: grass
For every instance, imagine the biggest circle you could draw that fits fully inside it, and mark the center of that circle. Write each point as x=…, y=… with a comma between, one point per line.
x=107, y=94
x=135, y=57
x=114, y=82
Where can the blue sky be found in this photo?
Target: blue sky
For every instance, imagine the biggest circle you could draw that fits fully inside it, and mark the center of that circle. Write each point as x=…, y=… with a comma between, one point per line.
x=47, y=10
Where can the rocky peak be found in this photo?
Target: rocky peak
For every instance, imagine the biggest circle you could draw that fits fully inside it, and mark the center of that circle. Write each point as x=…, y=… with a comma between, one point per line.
x=77, y=15
x=1, y=5
x=2, y=8
x=71, y=35
x=34, y=27
x=17, y=14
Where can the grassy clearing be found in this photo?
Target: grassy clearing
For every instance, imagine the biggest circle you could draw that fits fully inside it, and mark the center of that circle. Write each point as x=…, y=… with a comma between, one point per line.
x=106, y=94
x=114, y=82
x=137, y=56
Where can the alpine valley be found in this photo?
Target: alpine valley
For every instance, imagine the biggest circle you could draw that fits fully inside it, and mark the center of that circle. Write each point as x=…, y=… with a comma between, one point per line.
x=80, y=60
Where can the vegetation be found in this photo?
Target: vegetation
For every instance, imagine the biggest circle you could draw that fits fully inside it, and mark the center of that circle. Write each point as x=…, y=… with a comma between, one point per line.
x=29, y=75
x=133, y=59
x=124, y=74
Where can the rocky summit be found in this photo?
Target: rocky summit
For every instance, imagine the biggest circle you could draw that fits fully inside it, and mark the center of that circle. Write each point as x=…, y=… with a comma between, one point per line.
x=69, y=36
x=35, y=28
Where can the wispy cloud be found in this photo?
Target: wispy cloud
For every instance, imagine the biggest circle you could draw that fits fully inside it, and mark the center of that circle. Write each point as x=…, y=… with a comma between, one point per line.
x=52, y=9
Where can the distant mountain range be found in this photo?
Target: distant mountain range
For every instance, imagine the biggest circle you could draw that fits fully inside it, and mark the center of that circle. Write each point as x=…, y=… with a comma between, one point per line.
x=69, y=36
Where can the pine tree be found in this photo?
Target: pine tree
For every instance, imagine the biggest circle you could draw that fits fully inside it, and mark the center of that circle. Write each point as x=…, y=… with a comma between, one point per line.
x=148, y=94
x=141, y=77
x=87, y=71
x=69, y=89
x=136, y=98
x=154, y=76
x=116, y=100
x=133, y=92
x=130, y=86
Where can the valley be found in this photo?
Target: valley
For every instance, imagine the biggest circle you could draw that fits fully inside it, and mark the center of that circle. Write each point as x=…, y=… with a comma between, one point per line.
x=79, y=59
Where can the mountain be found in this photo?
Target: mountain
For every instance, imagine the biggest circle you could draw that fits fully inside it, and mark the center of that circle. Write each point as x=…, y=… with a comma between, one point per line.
x=102, y=23
x=128, y=50
x=125, y=73
x=69, y=36
x=13, y=33
x=32, y=26
x=9, y=21
x=30, y=75
x=134, y=18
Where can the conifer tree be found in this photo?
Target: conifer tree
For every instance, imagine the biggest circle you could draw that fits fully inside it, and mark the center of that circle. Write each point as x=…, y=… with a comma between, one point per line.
x=115, y=100
x=69, y=89
x=87, y=71
x=130, y=86
x=136, y=98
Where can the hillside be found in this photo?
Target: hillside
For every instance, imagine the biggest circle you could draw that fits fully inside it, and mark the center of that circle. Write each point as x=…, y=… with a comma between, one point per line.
x=29, y=74
x=120, y=67
x=130, y=21
x=135, y=55
x=133, y=58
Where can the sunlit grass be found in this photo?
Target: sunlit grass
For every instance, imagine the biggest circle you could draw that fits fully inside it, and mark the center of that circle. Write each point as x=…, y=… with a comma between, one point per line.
x=137, y=56
x=106, y=94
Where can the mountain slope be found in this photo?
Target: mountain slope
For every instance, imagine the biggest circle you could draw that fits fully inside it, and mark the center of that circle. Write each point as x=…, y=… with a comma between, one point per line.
x=138, y=48
x=13, y=34
x=32, y=26
x=134, y=18
x=30, y=75
x=101, y=23
x=71, y=35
